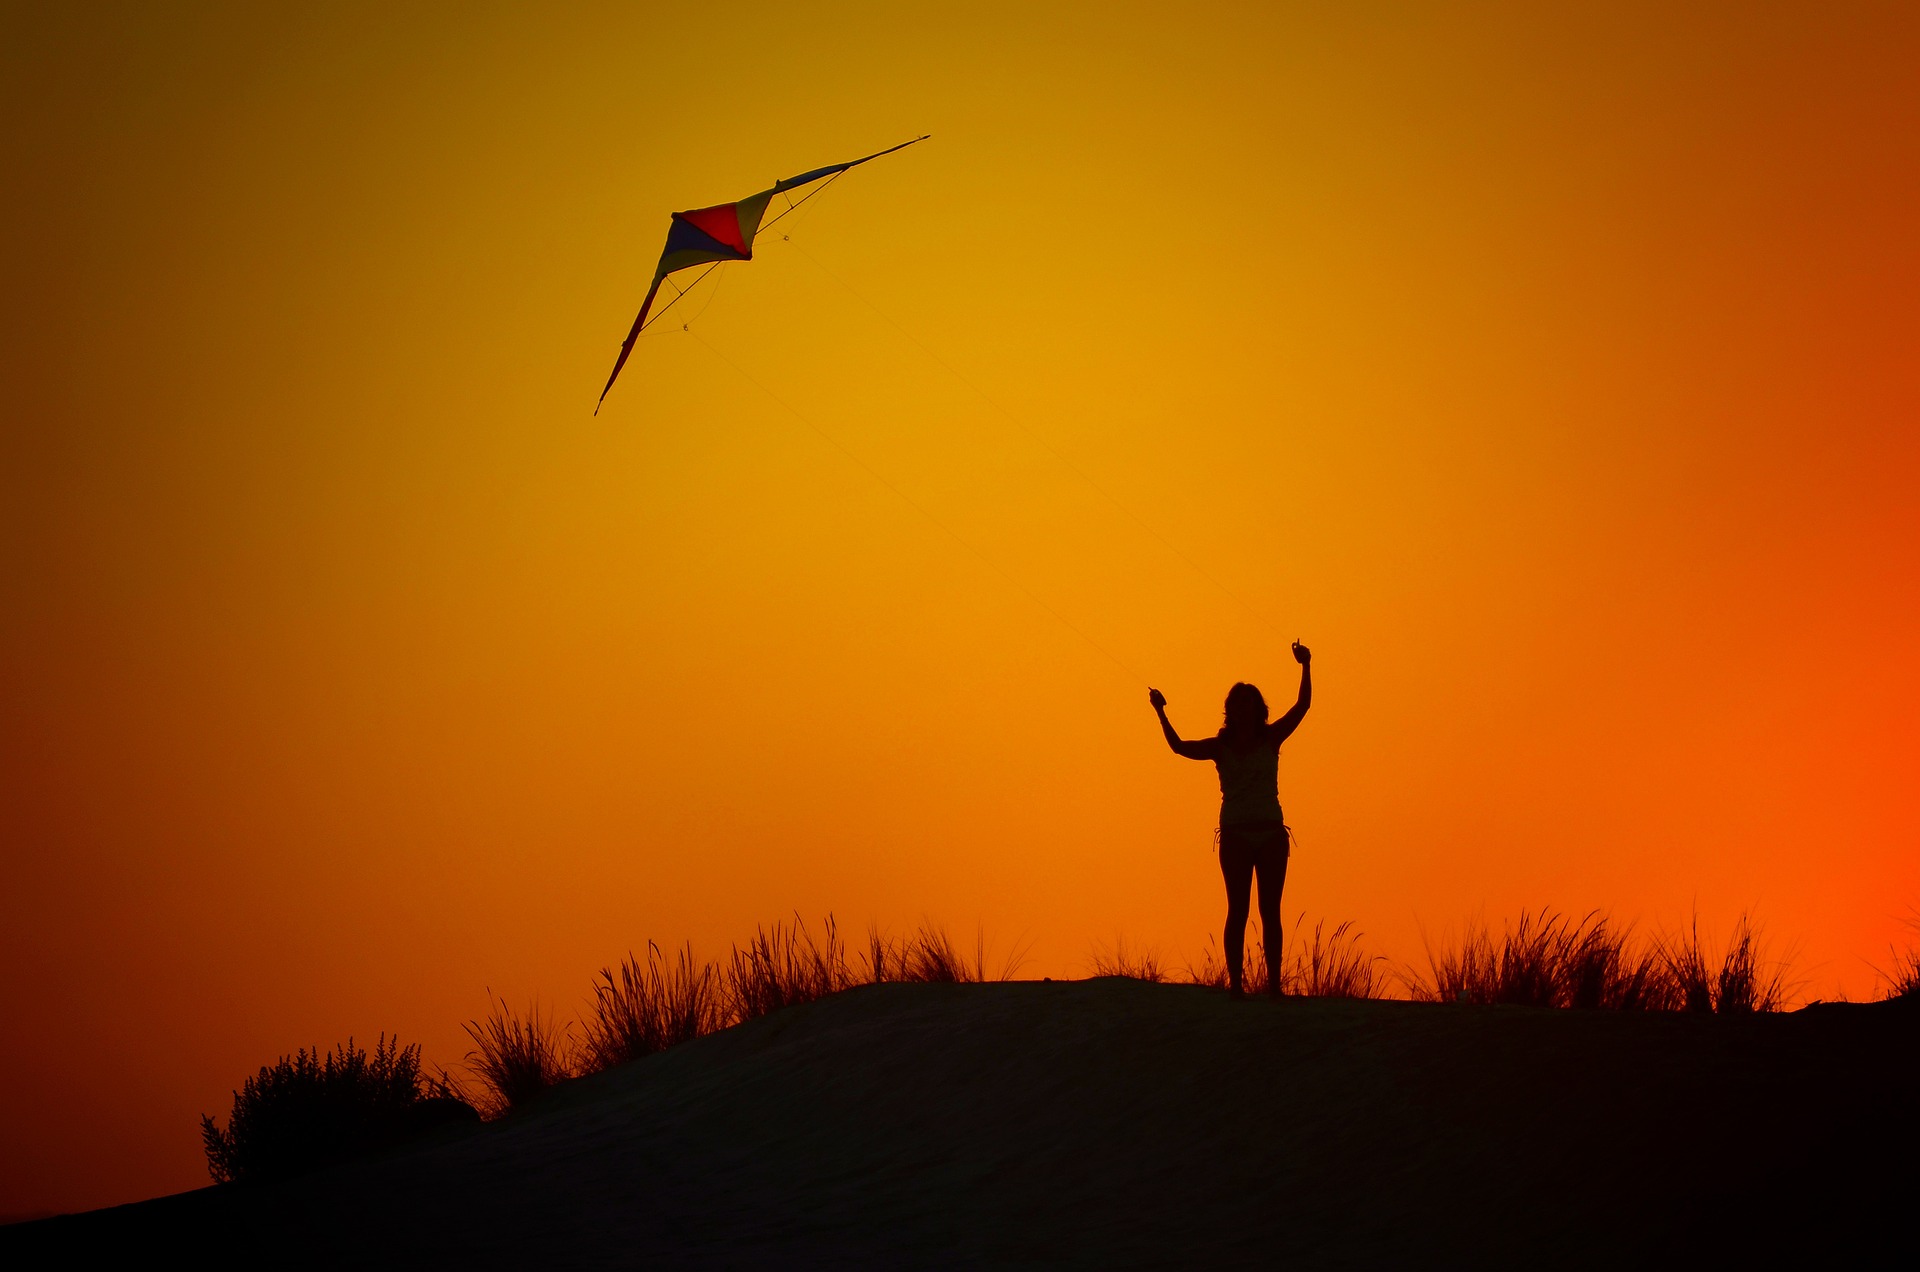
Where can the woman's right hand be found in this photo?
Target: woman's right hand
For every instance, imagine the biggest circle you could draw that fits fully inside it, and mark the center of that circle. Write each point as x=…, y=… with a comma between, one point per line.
x=1156, y=699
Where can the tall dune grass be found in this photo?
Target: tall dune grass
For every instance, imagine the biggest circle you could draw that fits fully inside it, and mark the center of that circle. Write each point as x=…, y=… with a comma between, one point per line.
x=1540, y=960
x=783, y=966
x=638, y=1010
x=1602, y=967
x=1140, y=965
x=1332, y=965
x=517, y=1057
x=1520, y=967
x=1325, y=965
x=1544, y=959
x=1901, y=978
x=929, y=956
x=1741, y=980
x=1211, y=970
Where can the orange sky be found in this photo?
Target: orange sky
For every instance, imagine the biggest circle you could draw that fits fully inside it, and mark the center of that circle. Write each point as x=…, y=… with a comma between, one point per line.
x=1553, y=377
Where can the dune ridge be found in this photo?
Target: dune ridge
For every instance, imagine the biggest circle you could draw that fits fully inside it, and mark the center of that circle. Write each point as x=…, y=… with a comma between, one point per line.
x=1112, y=1123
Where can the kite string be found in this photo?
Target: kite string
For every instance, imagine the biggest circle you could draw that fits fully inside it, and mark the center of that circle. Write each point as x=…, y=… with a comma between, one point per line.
x=711, y=296
x=679, y=295
x=795, y=207
x=1050, y=448
x=922, y=509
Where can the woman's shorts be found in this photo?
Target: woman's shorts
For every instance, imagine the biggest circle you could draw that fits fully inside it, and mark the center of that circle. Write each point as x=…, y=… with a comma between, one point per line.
x=1255, y=844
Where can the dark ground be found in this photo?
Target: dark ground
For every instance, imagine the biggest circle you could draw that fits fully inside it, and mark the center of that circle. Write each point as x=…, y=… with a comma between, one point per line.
x=1113, y=1124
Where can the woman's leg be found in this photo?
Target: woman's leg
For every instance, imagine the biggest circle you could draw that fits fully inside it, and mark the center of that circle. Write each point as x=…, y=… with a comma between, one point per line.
x=1236, y=867
x=1272, y=865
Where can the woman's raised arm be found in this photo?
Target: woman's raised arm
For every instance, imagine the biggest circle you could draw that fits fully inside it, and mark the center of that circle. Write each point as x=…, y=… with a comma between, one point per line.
x=1201, y=750
x=1283, y=727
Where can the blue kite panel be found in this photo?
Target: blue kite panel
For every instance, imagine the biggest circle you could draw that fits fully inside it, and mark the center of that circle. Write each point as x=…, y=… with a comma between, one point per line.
x=683, y=236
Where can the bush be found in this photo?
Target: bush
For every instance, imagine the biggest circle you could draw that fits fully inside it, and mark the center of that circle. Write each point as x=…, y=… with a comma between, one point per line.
x=315, y=1108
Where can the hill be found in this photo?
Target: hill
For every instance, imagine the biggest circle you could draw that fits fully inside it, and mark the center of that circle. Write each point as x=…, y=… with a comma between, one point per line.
x=1110, y=1123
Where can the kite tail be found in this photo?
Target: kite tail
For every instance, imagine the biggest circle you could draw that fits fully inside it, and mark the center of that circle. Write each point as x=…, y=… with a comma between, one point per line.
x=626, y=346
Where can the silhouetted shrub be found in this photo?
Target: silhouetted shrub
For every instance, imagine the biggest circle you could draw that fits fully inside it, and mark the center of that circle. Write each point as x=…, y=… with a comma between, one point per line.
x=639, y=1011
x=315, y=1108
x=515, y=1058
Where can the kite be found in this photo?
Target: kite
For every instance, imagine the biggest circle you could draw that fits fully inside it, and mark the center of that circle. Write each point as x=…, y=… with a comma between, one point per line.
x=712, y=236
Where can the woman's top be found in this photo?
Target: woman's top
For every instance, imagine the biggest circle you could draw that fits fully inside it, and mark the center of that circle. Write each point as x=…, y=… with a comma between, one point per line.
x=1249, y=779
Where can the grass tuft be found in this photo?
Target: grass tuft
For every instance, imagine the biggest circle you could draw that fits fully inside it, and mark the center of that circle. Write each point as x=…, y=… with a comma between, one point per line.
x=1211, y=970
x=517, y=1058
x=1465, y=972
x=1544, y=960
x=1327, y=965
x=1739, y=982
x=1901, y=979
x=929, y=956
x=1332, y=966
x=783, y=966
x=1140, y=965
x=638, y=1011
x=1602, y=968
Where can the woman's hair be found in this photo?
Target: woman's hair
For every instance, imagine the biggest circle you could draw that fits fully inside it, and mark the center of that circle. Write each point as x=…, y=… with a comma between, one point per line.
x=1246, y=709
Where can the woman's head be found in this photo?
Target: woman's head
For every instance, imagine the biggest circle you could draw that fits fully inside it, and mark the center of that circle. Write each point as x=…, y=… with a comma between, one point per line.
x=1246, y=709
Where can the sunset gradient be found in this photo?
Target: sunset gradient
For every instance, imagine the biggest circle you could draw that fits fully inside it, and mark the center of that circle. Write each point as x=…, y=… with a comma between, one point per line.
x=1553, y=375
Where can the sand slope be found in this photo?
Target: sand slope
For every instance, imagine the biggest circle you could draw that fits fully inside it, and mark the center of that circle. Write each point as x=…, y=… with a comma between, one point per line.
x=1113, y=1124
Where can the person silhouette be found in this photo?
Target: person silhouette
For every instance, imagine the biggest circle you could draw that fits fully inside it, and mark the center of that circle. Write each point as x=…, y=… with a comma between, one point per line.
x=1253, y=832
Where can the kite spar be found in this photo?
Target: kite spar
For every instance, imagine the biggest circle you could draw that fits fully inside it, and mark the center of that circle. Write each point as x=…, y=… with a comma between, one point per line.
x=717, y=234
